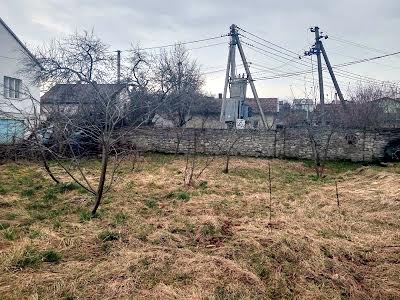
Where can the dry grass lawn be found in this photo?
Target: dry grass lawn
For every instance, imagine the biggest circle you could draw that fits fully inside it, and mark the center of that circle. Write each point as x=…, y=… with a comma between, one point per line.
x=155, y=239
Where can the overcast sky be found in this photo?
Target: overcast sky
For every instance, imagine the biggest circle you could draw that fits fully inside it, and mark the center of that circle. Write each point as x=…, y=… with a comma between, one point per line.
x=121, y=23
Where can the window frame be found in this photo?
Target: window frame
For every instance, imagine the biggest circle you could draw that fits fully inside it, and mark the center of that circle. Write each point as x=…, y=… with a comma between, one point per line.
x=12, y=87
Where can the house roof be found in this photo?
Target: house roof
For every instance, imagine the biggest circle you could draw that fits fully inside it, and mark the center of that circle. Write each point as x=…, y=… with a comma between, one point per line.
x=20, y=42
x=212, y=105
x=78, y=93
x=268, y=105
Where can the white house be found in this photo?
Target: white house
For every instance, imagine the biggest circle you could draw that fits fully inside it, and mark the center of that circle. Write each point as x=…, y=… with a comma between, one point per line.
x=18, y=95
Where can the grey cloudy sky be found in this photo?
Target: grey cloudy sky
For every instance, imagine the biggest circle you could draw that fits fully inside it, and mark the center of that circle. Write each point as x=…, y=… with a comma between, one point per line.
x=121, y=23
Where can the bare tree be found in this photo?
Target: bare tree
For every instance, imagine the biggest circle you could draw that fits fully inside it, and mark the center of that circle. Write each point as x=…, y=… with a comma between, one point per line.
x=84, y=61
x=179, y=77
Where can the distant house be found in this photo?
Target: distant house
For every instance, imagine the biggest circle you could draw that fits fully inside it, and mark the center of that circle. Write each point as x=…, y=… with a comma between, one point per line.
x=303, y=104
x=205, y=113
x=68, y=98
x=390, y=108
x=17, y=90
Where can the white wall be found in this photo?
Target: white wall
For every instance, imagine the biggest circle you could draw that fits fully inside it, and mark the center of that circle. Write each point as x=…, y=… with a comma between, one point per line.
x=11, y=56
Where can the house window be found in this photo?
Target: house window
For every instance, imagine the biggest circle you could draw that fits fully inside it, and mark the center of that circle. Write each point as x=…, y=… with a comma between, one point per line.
x=12, y=87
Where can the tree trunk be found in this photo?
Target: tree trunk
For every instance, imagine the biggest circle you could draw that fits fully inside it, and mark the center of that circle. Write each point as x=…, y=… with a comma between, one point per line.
x=226, y=170
x=102, y=180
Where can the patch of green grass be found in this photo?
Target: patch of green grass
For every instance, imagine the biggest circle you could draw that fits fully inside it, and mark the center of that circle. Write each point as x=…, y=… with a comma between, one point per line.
x=108, y=235
x=29, y=192
x=249, y=173
x=85, y=215
x=150, y=203
x=329, y=234
x=143, y=231
x=120, y=218
x=203, y=185
x=68, y=296
x=184, y=196
x=4, y=225
x=11, y=216
x=10, y=234
x=57, y=224
x=34, y=234
x=51, y=256
x=208, y=230
x=30, y=258
x=180, y=195
x=3, y=190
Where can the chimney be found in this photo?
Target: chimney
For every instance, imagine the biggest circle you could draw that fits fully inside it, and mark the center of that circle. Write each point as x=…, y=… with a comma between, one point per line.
x=220, y=96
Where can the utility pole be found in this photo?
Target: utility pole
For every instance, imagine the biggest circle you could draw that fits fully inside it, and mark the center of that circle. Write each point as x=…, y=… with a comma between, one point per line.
x=231, y=70
x=335, y=83
x=118, y=66
x=317, y=48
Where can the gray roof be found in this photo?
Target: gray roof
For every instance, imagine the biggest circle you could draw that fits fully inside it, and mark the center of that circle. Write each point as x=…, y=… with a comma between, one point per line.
x=79, y=93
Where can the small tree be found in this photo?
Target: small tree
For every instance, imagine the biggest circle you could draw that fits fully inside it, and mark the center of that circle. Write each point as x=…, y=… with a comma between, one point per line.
x=178, y=76
x=84, y=61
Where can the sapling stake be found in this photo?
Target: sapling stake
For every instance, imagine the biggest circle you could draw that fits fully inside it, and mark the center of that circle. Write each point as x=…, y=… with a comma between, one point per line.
x=270, y=195
x=337, y=195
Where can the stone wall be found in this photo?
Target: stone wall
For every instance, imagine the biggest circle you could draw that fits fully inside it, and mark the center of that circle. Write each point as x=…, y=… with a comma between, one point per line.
x=350, y=144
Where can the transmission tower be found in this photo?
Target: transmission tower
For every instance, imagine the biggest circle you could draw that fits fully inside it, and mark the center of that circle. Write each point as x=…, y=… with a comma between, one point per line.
x=234, y=108
x=317, y=49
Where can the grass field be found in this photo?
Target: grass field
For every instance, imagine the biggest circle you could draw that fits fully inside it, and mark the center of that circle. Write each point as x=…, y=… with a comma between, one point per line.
x=155, y=239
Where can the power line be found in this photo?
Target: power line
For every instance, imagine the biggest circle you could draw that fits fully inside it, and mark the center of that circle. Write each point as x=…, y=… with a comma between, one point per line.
x=269, y=42
x=177, y=43
x=343, y=41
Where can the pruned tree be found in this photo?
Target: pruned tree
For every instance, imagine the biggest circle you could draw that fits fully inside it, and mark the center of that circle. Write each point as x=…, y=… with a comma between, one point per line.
x=84, y=61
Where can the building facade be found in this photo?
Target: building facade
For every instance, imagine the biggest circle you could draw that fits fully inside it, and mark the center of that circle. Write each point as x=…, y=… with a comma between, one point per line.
x=19, y=96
